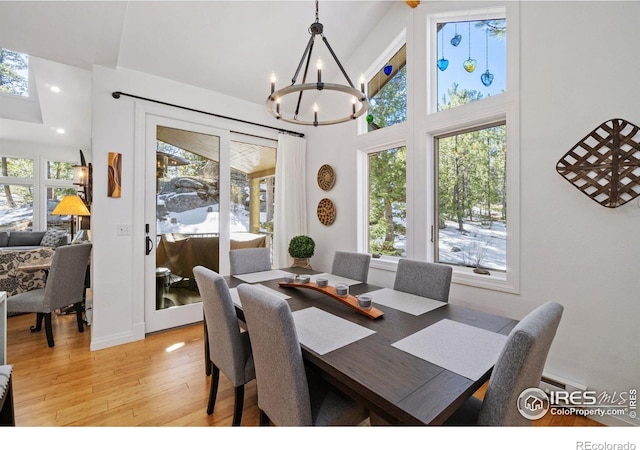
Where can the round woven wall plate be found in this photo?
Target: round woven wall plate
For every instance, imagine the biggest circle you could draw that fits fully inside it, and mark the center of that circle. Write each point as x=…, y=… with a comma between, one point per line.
x=326, y=212
x=326, y=177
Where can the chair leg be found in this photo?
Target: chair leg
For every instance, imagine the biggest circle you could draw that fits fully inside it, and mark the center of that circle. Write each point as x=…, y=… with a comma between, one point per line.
x=213, y=391
x=237, y=412
x=207, y=361
x=264, y=419
x=48, y=329
x=79, y=319
x=38, y=325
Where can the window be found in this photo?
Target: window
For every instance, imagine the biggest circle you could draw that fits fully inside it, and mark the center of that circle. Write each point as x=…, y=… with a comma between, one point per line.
x=387, y=202
x=16, y=194
x=471, y=60
x=14, y=73
x=387, y=92
x=471, y=203
x=461, y=191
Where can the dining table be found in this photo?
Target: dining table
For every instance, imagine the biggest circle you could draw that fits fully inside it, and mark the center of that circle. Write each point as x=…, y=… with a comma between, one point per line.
x=415, y=364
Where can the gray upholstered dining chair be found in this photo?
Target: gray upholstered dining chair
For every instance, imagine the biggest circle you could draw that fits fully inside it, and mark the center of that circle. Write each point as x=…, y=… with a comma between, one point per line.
x=229, y=347
x=247, y=260
x=289, y=394
x=519, y=367
x=242, y=260
x=351, y=265
x=425, y=279
x=64, y=286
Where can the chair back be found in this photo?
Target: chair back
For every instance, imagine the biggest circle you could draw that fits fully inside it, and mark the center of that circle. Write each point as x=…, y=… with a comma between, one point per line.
x=65, y=281
x=425, y=279
x=227, y=349
x=520, y=366
x=247, y=260
x=351, y=265
x=283, y=390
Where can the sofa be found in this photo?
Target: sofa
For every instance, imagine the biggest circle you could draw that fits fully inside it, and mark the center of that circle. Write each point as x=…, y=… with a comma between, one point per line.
x=27, y=240
x=15, y=281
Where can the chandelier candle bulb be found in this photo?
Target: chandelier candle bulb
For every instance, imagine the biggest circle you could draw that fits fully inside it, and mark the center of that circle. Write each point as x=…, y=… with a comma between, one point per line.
x=273, y=82
x=353, y=106
x=319, y=66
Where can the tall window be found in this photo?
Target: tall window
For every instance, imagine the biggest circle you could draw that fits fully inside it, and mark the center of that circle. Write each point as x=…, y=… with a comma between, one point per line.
x=387, y=92
x=14, y=73
x=387, y=202
x=472, y=209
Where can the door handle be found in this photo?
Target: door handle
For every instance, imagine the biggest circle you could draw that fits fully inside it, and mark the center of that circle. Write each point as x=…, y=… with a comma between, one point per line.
x=149, y=245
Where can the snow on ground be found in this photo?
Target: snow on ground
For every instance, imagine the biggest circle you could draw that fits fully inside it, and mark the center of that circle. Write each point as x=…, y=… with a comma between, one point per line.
x=483, y=245
x=203, y=221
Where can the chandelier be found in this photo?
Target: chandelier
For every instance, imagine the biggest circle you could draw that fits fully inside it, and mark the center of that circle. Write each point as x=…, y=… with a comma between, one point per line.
x=359, y=101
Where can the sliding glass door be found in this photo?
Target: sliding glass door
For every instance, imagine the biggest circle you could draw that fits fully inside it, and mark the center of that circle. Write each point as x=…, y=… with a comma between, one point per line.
x=185, y=211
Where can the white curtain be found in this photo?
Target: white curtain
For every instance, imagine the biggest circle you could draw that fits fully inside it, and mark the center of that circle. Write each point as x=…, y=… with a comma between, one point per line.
x=290, y=208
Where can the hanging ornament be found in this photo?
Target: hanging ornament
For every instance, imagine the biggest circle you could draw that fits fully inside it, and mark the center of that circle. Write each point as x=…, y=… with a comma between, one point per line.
x=487, y=77
x=387, y=69
x=470, y=64
x=442, y=63
x=369, y=118
x=456, y=39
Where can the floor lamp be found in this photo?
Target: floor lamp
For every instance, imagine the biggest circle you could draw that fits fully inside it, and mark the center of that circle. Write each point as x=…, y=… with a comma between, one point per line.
x=71, y=205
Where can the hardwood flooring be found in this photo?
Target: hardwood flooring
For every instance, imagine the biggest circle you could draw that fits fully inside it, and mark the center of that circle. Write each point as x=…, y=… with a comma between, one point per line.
x=159, y=381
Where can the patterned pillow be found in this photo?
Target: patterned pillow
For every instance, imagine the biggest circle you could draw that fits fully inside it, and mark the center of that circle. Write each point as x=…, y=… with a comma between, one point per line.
x=51, y=238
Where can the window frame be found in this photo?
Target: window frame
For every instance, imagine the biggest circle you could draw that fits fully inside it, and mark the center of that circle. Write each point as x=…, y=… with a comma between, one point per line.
x=424, y=122
x=39, y=185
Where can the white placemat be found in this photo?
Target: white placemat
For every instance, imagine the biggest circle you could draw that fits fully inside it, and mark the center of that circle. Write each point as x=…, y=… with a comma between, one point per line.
x=323, y=332
x=334, y=279
x=259, y=277
x=458, y=347
x=236, y=297
x=409, y=303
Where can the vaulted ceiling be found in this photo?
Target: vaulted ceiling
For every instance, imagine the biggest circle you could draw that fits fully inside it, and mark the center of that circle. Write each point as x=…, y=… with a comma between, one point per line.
x=230, y=47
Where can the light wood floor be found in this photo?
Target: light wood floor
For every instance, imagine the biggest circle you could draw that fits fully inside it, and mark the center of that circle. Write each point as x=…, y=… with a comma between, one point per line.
x=143, y=383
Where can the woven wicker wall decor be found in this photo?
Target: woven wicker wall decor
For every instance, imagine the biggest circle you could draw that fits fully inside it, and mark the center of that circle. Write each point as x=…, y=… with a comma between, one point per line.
x=605, y=165
x=326, y=212
x=326, y=177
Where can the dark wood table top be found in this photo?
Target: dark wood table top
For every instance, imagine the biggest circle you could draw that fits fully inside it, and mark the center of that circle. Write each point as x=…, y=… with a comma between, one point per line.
x=399, y=387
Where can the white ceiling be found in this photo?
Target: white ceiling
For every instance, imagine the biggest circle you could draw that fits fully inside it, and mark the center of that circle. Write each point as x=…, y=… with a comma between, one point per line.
x=230, y=47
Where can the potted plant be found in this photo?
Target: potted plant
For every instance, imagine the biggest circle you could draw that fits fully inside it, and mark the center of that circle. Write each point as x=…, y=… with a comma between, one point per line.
x=301, y=248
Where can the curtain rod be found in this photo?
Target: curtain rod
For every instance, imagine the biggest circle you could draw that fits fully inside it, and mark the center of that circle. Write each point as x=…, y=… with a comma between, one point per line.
x=117, y=94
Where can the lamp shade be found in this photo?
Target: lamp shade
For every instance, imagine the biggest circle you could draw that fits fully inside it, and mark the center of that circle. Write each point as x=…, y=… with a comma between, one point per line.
x=71, y=205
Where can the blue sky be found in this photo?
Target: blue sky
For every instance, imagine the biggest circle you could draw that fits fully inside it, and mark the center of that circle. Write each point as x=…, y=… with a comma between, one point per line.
x=455, y=72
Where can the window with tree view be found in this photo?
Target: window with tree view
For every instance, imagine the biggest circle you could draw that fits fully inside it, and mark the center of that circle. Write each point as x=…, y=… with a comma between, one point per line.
x=471, y=199
x=16, y=194
x=387, y=92
x=471, y=57
x=14, y=72
x=387, y=202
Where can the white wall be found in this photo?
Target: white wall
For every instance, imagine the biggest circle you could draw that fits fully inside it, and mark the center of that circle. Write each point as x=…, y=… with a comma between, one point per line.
x=576, y=71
